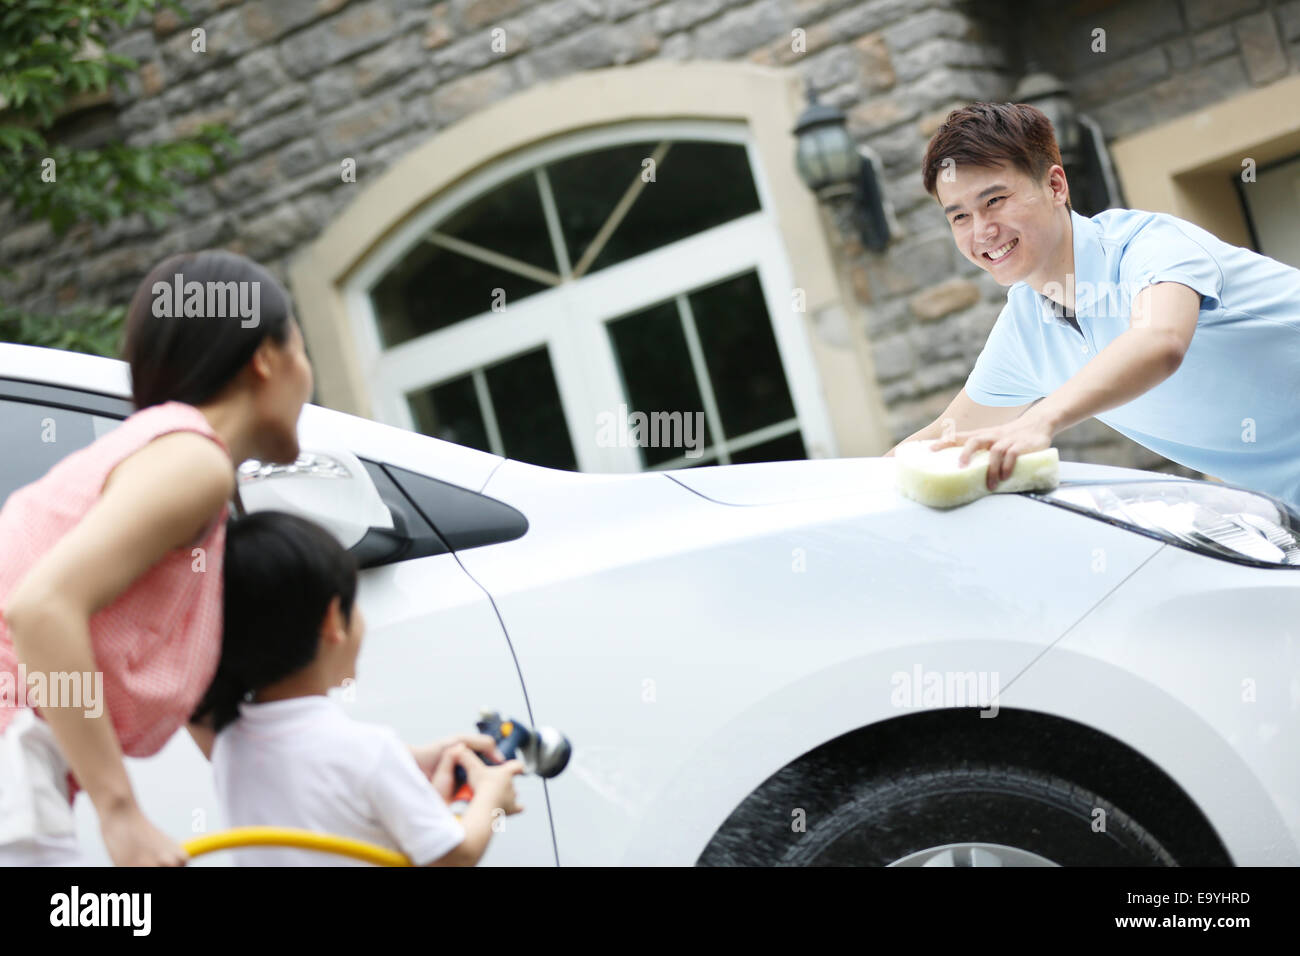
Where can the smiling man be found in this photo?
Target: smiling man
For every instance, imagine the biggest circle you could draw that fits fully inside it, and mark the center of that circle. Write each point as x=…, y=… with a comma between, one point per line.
x=1184, y=343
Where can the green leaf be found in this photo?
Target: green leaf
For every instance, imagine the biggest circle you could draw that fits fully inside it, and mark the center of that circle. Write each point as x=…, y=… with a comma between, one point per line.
x=40, y=41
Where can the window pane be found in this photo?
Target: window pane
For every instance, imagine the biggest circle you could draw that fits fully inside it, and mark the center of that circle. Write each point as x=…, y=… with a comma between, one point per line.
x=34, y=439
x=526, y=403
x=450, y=411
x=528, y=411
x=431, y=287
x=741, y=354
x=588, y=186
x=655, y=366
x=703, y=461
x=508, y=220
x=1273, y=204
x=697, y=186
x=786, y=448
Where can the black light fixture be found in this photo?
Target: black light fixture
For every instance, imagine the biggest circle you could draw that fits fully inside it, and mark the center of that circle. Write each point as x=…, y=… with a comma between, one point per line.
x=1051, y=95
x=832, y=166
x=1093, y=183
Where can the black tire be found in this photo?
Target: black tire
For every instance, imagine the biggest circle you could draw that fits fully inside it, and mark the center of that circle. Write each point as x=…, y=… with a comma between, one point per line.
x=890, y=817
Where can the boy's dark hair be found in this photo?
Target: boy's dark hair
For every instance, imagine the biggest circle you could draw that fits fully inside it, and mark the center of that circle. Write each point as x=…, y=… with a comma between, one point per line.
x=190, y=358
x=985, y=134
x=281, y=571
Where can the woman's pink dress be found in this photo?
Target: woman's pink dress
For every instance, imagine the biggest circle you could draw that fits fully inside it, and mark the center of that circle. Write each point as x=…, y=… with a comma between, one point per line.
x=158, y=643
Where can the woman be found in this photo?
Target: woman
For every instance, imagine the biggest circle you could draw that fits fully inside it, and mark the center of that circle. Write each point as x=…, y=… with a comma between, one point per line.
x=112, y=562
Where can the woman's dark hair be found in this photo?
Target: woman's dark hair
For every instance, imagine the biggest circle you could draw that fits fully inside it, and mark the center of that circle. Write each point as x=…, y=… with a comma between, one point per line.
x=281, y=572
x=185, y=343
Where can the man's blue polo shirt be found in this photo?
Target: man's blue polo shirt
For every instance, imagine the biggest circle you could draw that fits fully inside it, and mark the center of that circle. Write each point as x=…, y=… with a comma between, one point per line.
x=1232, y=410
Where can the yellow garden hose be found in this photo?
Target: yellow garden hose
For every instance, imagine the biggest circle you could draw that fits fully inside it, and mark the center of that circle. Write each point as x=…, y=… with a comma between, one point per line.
x=301, y=839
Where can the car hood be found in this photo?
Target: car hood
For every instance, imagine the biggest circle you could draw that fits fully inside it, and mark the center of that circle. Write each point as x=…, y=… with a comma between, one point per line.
x=774, y=482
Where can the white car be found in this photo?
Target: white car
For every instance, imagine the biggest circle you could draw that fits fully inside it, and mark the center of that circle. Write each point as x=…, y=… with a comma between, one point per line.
x=791, y=663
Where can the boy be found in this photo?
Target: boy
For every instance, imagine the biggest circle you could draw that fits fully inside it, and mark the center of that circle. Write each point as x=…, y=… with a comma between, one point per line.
x=1188, y=345
x=291, y=757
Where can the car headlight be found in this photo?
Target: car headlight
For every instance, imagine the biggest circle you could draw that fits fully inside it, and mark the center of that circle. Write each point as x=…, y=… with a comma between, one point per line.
x=1215, y=519
x=308, y=463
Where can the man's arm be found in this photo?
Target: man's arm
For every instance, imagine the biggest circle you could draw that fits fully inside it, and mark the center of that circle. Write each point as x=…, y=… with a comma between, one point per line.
x=1151, y=349
x=965, y=414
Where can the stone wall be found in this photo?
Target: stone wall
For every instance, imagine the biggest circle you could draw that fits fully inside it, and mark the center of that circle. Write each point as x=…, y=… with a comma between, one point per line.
x=1164, y=58
x=306, y=83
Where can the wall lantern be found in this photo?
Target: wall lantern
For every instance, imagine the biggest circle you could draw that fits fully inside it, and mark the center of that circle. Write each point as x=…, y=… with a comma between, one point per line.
x=831, y=166
x=1050, y=95
x=1093, y=184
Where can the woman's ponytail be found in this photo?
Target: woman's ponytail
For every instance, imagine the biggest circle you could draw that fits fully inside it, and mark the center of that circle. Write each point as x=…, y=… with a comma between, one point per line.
x=221, y=701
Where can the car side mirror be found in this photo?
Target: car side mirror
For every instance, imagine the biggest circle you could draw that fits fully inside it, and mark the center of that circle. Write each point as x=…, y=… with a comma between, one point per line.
x=329, y=486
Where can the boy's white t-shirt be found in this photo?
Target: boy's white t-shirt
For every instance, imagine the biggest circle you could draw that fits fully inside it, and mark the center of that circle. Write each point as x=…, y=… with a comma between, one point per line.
x=303, y=762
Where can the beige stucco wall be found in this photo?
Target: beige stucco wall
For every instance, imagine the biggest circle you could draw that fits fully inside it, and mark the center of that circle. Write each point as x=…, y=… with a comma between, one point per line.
x=1188, y=167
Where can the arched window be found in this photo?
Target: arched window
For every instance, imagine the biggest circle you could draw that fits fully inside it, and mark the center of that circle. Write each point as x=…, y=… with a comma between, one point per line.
x=532, y=311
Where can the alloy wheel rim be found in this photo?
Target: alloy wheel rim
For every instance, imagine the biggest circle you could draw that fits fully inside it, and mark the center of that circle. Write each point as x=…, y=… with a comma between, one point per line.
x=973, y=854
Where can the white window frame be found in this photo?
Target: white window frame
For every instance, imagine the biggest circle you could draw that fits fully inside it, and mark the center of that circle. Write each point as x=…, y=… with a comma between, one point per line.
x=569, y=319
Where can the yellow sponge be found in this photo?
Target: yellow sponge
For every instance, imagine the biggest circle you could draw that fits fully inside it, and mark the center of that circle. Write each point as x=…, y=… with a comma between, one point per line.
x=933, y=477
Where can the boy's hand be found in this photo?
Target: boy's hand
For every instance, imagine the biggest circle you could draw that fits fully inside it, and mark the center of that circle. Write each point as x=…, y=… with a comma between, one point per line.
x=495, y=784
x=501, y=785
x=444, y=775
x=429, y=757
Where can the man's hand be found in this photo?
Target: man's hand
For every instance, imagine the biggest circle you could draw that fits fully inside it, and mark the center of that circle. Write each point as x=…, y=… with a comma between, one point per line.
x=1028, y=433
x=963, y=411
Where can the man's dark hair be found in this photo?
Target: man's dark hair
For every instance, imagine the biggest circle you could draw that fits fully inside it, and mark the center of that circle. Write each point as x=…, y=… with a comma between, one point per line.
x=280, y=573
x=191, y=358
x=986, y=134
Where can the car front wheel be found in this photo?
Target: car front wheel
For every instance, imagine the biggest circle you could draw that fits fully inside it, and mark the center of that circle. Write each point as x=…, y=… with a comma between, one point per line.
x=975, y=815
